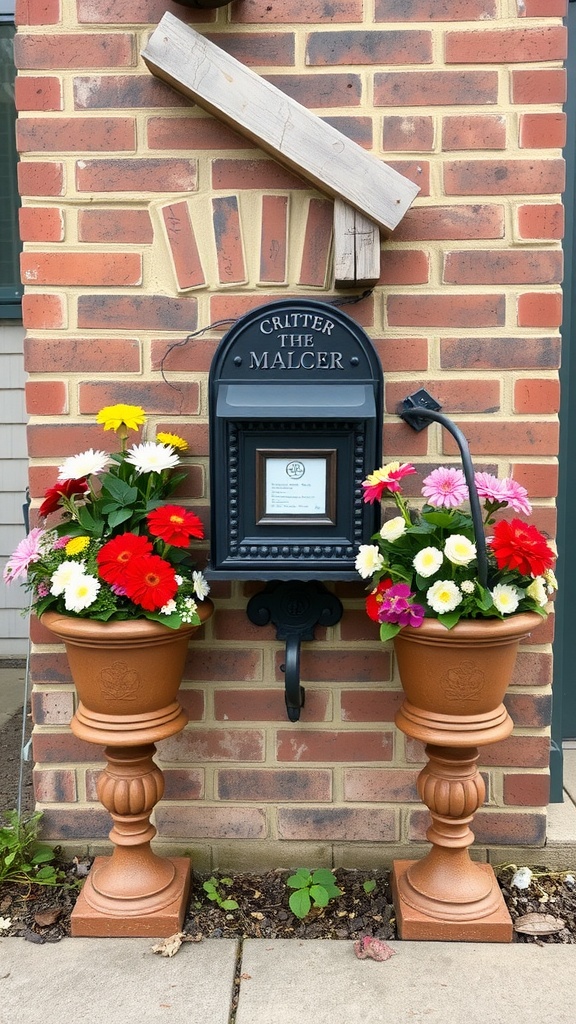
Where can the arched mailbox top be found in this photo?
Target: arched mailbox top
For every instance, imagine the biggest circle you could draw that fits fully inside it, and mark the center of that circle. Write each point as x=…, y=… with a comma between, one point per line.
x=296, y=341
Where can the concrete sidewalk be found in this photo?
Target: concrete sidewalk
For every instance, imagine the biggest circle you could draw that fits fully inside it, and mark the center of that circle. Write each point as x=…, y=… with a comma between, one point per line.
x=288, y=981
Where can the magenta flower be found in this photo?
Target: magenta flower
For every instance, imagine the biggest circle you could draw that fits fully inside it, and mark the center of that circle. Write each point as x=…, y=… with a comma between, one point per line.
x=516, y=496
x=60, y=543
x=27, y=551
x=385, y=479
x=42, y=590
x=445, y=487
x=489, y=487
x=397, y=608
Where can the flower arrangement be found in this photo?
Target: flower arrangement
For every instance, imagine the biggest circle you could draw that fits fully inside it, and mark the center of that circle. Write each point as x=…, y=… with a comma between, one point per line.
x=118, y=551
x=424, y=563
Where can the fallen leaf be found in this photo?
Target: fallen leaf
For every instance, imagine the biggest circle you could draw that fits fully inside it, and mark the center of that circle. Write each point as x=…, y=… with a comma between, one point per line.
x=368, y=947
x=538, y=924
x=5, y=923
x=44, y=918
x=169, y=946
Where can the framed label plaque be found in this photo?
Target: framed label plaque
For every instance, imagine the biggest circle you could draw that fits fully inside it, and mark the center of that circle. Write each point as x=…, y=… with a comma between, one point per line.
x=296, y=486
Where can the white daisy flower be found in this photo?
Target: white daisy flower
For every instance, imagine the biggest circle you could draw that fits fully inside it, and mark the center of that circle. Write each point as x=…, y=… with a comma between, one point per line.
x=538, y=591
x=467, y=586
x=88, y=463
x=368, y=560
x=444, y=596
x=150, y=457
x=201, y=586
x=393, y=528
x=459, y=550
x=81, y=592
x=506, y=598
x=428, y=561
x=64, y=575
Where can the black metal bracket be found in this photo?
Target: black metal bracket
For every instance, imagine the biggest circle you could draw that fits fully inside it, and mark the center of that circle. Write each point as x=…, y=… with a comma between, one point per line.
x=295, y=608
x=418, y=410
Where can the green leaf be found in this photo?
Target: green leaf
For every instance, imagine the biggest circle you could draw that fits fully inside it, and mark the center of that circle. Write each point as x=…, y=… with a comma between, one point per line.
x=225, y=881
x=46, y=874
x=369, y=885
x=449, y=619
x=389, y=630
x=118, y=489
x=43, y=855
x=120, y=516
x=301, y=879
x=323, y=876
x=299, y=903
x=173, y=621
x=319, y=895
x=229, y=905
x=87, y=521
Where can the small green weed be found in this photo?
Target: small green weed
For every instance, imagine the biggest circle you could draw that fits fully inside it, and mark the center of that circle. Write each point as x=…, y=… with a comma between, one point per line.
x=214, y=893
x=22, y=857
x=311, y=888
x=369, y=885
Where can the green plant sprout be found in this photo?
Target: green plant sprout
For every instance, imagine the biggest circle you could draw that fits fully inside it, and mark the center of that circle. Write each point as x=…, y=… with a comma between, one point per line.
x=369, y=885
x=22, y=857
x=213, y=892
x=314, y=888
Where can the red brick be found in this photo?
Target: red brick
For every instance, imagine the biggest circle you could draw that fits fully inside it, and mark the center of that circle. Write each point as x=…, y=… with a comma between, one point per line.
x=257, y=48
x=526, y=790
x=273, y=239
x=43, y=312
x=198, y=744
x=228, y=240
x=399, y=437
x=50, y=747
x=507, y=438
x=474, y=131
x=404, y=266
x=543, y=633
x=417, y=171
x=127, y=227
x=370, y=705
x=75, y=268
x=54, y=355
x=402, y=353
x=254, y=12
x=540, y=479
x=535, y=395
x=408, y=134
x=507, y=829
x=175, y=355
x=183, y=246
x=499, y=353
x=46, y=398
x=343, y=824
x=55, y=786
x=540, y=309
x=434, y=10
x=356, y=625
x=38, y=93
x=40, y=178
x=503, y=177
x=253, y=174
x=503, y=266
x=37, y=12
x=139, y=175
x=460, y=396
x=368, y=47
x=538, y=85
x=454, y=310
x=541, y=220
x=142, y=312
x=294, y=785
x=47, y=668
x=41, y=223
x=52, y=707
x=542, y=8
x=183, y=784
x=46, y=440
x=451, y=223
x=193, y=133
x=232, y=306
x=333, y=747
x=542, y=131
x=532, y=668
x=60, y=824
x=67, y=134
x=528, y=711
x=266, y=705
x=108, y=92
x=156, y=397
x=359, y=129
x=79, y=50
x=380, y=785
x=193, y=702
x=506, y=46
x=359, y=666
x=322, y=90
x=223, y=665
x=207, y=822
x=441, y=88
x=133, y=12
x=316, y=247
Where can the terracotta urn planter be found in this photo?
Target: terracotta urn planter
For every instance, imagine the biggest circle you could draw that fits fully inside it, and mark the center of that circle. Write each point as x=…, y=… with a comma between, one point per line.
x=454, y=683
x=127, y=675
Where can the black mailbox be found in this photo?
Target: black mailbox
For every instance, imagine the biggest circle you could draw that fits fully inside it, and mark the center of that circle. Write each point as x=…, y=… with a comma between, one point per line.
x=295, y=398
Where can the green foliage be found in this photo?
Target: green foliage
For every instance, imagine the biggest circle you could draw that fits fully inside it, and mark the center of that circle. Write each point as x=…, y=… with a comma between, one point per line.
x=311, y=888
x=369, y=885
x=212, y=888
x=22, y=857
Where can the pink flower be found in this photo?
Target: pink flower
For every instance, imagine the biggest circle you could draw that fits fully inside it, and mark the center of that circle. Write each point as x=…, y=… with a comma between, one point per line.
x=489, y=487
x=396, y=607
x=516, y=496
x=385, y=479
x=42, y=590
x=27, y=551
x=60, y=543
x=445, y=487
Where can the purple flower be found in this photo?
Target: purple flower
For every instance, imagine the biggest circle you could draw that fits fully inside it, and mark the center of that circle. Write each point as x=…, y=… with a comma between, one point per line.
x=397, y=608
x=445, y=487
x=28, y=551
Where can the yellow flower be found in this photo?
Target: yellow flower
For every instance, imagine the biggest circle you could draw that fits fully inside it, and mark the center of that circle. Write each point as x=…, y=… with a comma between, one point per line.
x=76, y=545
x=113, y=417
x=173, y=440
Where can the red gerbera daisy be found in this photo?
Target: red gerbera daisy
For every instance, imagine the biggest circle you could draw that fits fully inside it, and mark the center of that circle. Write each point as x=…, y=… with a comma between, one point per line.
x=114, y=557
x=150, y=582
x=374, y=599
x=516, y=545
x=175, y=525
x=66, y=489
x=387, y=478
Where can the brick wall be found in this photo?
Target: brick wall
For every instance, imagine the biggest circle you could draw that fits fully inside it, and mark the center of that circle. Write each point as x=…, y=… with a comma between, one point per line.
x=141, y=222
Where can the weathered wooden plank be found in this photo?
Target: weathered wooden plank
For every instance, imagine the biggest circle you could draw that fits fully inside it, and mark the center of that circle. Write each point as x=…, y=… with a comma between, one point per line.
x=356, y=247
x=292, y=134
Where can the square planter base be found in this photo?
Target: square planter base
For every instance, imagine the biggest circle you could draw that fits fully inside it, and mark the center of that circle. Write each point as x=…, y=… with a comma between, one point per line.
x=86, y=921
x=414, y=925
